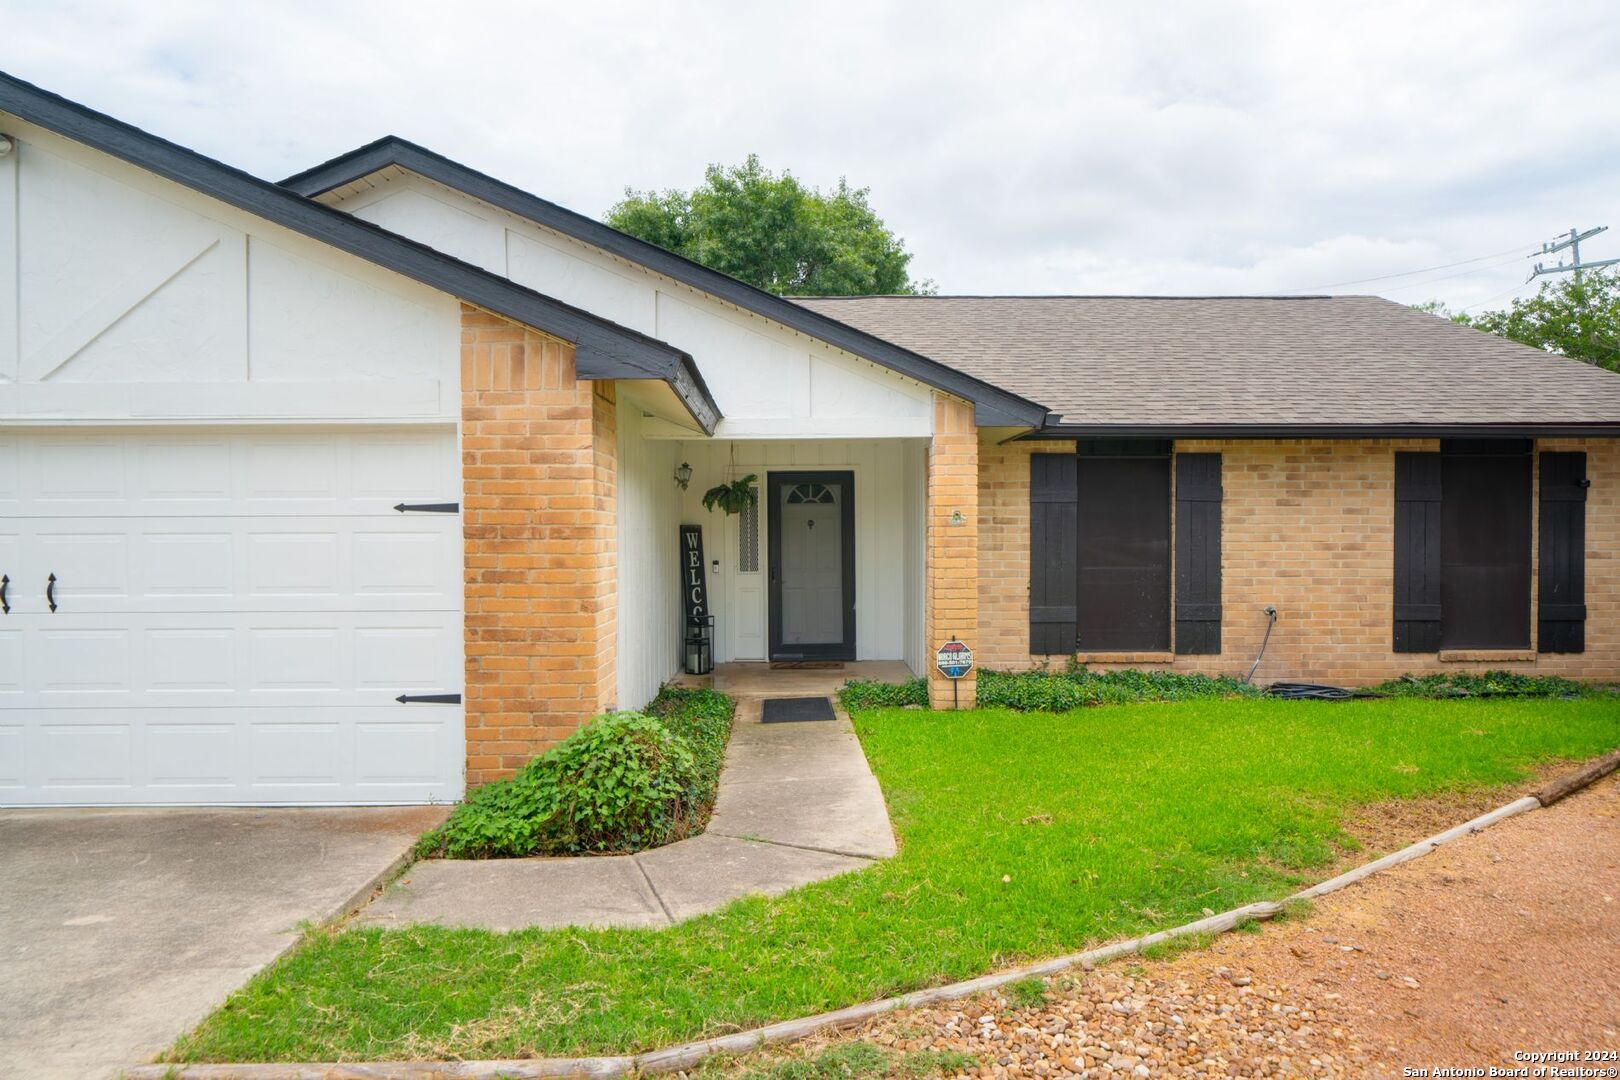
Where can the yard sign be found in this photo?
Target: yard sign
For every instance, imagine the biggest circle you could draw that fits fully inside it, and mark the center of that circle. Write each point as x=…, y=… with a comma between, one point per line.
x=954, y=659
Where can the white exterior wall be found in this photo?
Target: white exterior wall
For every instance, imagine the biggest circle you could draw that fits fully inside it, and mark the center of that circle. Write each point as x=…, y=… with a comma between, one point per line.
x=770, y=382
x=649, y=632
x=125, y=297
x=888, y=529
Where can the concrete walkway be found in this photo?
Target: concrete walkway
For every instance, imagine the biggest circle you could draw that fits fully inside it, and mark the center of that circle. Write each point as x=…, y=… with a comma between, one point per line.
x=797, y=804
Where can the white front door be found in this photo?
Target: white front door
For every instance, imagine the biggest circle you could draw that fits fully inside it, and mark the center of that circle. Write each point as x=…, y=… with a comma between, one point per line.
x=235, y=615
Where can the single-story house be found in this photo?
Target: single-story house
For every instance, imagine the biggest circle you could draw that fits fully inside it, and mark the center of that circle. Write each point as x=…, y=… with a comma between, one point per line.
x=369, y=485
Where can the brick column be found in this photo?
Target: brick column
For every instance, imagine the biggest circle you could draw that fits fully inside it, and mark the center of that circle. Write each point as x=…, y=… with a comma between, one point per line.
x=952, y=601
x=539, y=476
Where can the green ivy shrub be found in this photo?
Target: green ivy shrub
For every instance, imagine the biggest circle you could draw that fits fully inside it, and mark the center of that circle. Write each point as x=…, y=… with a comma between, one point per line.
x=625, y=782
x=1481, y=684
x=1044, y=690
x=859, y=694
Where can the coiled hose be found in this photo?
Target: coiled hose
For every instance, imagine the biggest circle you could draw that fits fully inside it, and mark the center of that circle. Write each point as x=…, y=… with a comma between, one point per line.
x=1296, y=691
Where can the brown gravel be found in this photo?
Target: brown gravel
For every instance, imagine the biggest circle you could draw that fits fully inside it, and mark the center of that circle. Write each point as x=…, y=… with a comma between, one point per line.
x=1500, y=942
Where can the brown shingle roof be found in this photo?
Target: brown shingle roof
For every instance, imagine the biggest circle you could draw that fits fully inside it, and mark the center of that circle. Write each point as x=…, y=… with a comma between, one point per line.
x=1175, y=362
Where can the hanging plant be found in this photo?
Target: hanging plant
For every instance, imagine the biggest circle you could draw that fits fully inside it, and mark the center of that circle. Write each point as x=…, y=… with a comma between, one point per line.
x=734, y=497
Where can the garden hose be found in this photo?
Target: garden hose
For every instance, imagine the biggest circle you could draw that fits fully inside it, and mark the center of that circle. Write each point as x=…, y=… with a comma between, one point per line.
x=1271, y=613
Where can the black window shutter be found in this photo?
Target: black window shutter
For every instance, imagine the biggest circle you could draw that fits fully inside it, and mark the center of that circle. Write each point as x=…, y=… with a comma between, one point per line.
x=1054, y=532
x=1562, y=577
x=1417, y=552
x=1198, y=554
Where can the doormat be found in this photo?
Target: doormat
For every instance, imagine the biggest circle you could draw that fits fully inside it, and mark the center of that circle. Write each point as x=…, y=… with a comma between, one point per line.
x=808, y=665
x=787, y=710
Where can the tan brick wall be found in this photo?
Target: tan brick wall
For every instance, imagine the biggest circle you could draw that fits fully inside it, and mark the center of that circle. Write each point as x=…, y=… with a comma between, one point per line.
x=1307, y=525
x=951, y=600
x=539, y=476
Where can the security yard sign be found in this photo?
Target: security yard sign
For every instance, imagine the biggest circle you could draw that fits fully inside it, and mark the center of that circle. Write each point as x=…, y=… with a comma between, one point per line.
x=954, y=659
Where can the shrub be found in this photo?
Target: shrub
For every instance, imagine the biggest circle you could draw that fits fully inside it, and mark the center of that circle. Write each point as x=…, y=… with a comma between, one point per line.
x=857, y=694
x=1481, y=684
x=1043, y=690
x=624, y=782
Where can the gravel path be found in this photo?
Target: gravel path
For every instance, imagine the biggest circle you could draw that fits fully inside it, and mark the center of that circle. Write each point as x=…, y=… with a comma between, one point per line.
x=1501, y=942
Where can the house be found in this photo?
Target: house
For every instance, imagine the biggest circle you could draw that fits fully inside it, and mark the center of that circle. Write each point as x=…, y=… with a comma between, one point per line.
x=365, y=486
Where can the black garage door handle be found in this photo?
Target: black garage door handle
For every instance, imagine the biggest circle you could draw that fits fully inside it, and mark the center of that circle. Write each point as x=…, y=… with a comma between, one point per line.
x=50, y=592
x=5, y=605
x=430, y=699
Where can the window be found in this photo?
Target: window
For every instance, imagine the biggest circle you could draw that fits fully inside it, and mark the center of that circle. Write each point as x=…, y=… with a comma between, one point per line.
x=748, y=537
x=1101, y=570
x=1462, y=546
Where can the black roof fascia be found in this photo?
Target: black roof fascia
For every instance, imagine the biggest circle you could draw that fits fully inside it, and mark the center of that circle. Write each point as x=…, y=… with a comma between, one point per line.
x=602, y=349
x=1461, y=430
x=994, y=407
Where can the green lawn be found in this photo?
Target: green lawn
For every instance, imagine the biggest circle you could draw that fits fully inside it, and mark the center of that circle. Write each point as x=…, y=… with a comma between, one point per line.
x=1022, y=835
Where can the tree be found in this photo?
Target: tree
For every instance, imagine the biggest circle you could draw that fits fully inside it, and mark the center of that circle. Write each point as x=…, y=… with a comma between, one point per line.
x=774, y=232
x=1578, y=319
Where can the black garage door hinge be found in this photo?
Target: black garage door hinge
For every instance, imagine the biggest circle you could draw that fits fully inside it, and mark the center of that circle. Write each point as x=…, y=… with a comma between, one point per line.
x=429, y=508
x=430, y=699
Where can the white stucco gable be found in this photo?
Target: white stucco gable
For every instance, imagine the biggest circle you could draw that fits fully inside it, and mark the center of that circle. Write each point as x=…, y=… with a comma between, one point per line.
x=132, y=297
x=769, y=381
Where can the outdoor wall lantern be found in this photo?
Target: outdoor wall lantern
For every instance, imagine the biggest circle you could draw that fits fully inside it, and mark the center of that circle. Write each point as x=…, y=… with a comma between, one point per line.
x=683, y=475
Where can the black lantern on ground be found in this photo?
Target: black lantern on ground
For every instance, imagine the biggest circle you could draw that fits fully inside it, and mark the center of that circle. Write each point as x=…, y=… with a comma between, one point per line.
x=699, y=644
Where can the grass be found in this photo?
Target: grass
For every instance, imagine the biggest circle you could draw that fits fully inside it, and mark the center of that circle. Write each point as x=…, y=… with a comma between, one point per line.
x=1023, y=835
x=857, y=1060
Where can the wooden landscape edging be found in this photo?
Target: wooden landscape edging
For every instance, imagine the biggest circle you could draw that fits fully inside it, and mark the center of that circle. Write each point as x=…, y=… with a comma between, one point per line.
x=685, y=1055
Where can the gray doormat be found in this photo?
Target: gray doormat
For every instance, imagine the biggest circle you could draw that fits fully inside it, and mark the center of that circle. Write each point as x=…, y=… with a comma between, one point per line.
x=787, y=710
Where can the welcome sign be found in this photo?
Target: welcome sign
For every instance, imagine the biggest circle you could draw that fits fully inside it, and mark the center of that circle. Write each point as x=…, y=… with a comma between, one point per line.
x=694, y=583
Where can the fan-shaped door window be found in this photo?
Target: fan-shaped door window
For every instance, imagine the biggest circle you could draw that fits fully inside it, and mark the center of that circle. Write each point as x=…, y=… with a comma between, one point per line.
x=802, y=494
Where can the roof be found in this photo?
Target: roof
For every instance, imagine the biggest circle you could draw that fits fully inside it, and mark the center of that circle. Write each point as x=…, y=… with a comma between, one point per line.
x=1222, y=365
x=996, y=405
x=602, y=349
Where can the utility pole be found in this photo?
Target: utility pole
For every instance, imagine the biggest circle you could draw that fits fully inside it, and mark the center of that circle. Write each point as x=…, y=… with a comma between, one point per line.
x=1573, y=242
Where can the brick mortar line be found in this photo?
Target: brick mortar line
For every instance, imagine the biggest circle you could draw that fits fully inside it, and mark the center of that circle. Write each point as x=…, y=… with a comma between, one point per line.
x=685, y=1055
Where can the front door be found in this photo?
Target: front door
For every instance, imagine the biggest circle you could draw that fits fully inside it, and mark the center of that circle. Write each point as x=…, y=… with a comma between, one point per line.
x=812, y=544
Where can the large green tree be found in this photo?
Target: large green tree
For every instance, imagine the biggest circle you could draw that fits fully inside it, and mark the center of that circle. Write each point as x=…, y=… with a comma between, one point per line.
x=1566, y=317
x=772, y=231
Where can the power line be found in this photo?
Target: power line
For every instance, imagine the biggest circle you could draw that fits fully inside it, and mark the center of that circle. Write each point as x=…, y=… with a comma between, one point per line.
x=1492, y=299
x=1409, y=273
x=1458, y=274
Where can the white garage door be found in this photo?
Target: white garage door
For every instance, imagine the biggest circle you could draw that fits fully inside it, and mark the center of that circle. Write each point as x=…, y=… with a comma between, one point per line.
x=236, y=615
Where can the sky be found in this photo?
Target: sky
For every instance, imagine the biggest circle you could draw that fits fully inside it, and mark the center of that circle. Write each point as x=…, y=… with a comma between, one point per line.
x=1149, y=147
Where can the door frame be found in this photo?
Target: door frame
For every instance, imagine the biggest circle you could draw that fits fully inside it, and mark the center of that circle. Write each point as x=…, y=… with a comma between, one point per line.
x=844, y=480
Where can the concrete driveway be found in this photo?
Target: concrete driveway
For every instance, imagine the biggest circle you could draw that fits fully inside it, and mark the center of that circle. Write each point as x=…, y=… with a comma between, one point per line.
x=121, y=929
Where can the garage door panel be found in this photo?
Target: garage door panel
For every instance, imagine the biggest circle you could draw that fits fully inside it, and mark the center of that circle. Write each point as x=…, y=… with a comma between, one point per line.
x=51, y=474
x=227, y=756
x=11, y=663
x=236, y=615
x=173, y=565
x=12, y=756
x=90, y=564
x=246, y=660
x=183, y=472
x=158, y=564
x=70, y=662
x=95, y=754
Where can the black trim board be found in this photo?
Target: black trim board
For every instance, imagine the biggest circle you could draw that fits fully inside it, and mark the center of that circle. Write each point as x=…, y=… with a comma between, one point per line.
x=994, y=407
x=602, y=349
x=1321, y=431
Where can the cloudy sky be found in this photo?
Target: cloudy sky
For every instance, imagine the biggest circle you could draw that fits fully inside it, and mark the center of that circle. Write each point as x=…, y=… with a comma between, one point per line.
x=1017, y=147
